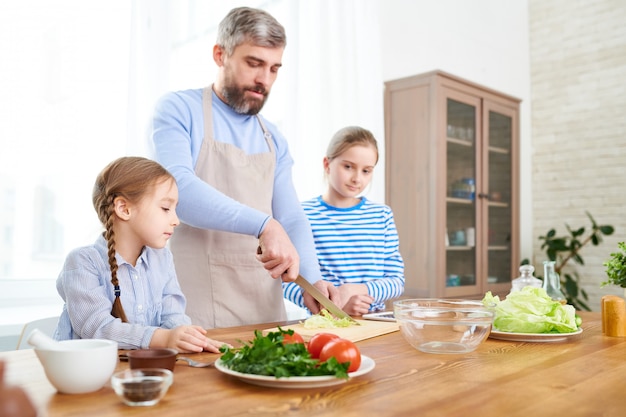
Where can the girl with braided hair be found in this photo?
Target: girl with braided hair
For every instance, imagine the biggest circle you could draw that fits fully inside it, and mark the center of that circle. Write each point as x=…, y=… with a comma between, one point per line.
x=124, y=286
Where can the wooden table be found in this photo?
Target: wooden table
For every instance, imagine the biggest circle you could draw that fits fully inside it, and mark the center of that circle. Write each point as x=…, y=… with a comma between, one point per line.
x=584, y=376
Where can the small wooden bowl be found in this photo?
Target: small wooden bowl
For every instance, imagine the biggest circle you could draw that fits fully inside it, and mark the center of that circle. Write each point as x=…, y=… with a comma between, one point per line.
x=152, y=358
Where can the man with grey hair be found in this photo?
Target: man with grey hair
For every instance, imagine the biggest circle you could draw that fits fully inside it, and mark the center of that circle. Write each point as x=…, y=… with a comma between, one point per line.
x=233, y=170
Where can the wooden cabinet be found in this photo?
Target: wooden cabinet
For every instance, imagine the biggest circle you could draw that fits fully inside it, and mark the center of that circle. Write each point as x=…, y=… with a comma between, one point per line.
x=452, y=180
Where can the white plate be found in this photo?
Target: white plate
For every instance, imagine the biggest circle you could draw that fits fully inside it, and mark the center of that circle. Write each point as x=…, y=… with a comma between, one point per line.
x=533, y=337
x=367, y=364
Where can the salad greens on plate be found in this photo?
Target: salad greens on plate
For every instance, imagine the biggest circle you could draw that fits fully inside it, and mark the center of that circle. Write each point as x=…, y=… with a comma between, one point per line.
x=268, y=355
x=531, y=310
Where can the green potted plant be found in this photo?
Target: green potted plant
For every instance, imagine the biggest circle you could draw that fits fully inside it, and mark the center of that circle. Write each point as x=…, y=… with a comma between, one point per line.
x=616, y=267
x=563, y=249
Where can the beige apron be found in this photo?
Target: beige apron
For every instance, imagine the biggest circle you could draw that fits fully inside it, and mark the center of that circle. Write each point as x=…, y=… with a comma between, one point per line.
x=225, y=285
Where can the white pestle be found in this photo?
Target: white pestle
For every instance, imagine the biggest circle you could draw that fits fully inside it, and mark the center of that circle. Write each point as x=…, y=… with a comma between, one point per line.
x=40, y=340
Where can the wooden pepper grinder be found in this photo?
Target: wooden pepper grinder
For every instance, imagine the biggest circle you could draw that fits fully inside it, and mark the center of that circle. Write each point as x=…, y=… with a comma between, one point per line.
x=613, y=316
x=13, y=400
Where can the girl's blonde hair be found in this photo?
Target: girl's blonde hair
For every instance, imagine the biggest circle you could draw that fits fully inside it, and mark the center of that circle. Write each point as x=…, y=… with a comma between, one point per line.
x=348, y=137
x=129, y=177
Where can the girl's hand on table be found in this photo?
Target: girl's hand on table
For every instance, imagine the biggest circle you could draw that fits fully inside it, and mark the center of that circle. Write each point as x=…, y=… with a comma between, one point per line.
x=358, y=305
x=357, y=299
x=185, y=339
x=213, y=346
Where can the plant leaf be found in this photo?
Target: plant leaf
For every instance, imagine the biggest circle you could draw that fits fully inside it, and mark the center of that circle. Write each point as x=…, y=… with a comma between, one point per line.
x=593, y=222
x=571, y=287
x=607, y=230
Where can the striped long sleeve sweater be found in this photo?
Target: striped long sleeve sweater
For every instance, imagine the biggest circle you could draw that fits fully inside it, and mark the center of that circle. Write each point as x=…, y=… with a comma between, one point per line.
x=356, y=245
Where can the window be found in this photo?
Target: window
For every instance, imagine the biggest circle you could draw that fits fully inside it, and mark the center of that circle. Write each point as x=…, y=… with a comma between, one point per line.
x=80, y=78
x=64, y=108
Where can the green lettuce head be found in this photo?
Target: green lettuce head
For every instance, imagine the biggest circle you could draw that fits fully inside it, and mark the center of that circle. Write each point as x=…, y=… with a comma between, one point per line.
x=531, y=310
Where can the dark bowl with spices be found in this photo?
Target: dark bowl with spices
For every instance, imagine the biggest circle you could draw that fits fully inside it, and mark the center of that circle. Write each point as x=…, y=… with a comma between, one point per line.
x=142, y=387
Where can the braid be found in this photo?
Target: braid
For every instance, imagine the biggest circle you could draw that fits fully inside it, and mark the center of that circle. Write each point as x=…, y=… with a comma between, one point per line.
x=109, y=235
x=127, y=177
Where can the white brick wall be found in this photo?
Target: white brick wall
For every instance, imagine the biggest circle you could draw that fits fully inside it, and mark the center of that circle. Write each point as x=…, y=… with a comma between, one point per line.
x=578, y=82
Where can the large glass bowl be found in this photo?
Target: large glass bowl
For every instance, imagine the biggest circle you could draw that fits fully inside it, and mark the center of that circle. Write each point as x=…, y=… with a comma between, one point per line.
x=443, y=325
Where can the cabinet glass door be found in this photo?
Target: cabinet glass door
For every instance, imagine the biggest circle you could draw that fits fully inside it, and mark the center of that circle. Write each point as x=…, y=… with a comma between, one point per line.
x=461, y=146
x=499, y=128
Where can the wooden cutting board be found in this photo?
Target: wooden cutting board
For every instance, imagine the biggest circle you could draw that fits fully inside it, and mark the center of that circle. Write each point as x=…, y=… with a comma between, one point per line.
x=366, y=330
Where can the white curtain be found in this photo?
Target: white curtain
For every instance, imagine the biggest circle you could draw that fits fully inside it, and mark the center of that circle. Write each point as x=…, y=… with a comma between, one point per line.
x=331, y=75
x=334, y=79
x=150, y=52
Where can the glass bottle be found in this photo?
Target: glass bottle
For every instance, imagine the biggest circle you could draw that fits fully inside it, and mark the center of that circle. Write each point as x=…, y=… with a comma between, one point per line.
x=526, y=278
x=551, y=281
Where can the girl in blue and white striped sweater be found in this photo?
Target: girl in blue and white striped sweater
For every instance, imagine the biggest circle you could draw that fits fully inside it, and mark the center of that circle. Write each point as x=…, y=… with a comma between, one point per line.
x=356, y=239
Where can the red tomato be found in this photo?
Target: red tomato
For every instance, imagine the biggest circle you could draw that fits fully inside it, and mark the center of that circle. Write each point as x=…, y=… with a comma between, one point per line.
x=318, y=341
x=344, y=351
x=292, y=338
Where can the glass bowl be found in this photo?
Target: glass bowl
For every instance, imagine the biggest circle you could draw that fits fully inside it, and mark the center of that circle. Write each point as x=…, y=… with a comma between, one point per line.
x=142, y=387
x=443, y=325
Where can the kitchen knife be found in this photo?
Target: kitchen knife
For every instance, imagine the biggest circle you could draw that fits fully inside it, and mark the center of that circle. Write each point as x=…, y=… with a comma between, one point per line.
x=317, y=294
x=322, y=299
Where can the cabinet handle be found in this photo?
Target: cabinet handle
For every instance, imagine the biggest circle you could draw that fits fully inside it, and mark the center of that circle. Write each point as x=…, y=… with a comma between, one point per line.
x=483, y=195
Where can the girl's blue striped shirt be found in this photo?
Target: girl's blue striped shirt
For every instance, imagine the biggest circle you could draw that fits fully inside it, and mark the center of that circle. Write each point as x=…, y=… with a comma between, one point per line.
x=356, y=245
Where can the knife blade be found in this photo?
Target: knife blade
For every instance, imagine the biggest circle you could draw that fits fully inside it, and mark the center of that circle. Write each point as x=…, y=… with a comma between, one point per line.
x=317, y=294
x=322, y=299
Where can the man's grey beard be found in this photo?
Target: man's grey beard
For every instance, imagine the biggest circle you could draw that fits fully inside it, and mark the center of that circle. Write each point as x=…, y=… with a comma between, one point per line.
x=235, y=97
